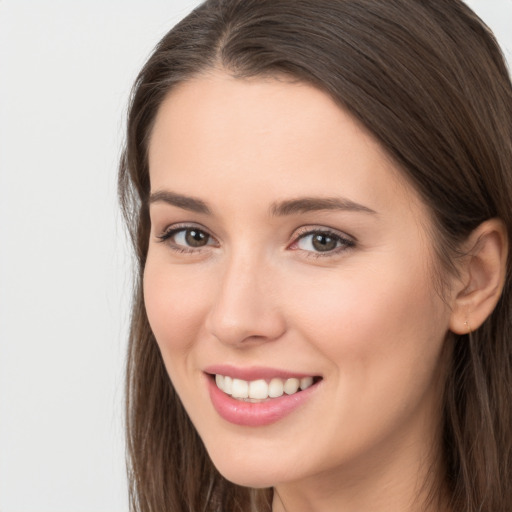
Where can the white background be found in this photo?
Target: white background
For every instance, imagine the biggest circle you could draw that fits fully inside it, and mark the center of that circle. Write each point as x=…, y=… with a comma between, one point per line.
x=66, y=68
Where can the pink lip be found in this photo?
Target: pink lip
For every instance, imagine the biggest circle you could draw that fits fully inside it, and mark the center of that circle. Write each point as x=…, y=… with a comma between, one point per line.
x=253, y=372
x=258, y=414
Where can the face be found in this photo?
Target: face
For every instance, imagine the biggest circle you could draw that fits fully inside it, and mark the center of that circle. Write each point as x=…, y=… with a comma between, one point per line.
x=286, y=250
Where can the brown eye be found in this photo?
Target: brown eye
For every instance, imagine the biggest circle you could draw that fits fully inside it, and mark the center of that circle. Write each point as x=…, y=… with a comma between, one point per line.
x=187, y=239
x=322, y=242
x=196, y=238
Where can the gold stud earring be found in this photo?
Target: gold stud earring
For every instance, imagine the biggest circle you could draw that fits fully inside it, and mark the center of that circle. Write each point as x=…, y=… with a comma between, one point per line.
x=468, y=327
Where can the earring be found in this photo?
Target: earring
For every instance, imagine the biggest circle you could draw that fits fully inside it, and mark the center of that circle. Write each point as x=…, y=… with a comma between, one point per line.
x=468, y=327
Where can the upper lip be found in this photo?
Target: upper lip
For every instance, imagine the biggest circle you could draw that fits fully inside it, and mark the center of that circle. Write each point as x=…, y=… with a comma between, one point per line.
x=254, y=372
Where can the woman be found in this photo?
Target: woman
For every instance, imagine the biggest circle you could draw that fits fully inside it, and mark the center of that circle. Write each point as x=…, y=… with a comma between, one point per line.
x=318, y=193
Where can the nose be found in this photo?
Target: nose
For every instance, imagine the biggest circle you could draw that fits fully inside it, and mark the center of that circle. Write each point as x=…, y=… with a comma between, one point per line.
x=246, y=309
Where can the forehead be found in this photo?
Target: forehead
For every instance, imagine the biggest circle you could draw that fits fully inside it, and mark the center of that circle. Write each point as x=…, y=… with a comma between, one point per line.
x=274, y=135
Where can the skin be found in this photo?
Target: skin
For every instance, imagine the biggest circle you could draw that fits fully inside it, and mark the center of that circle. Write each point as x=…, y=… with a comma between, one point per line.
x=366, y=316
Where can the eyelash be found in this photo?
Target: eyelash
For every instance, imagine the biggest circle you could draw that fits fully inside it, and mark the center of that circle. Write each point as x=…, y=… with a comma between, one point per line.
x=173, y=231
x=345, y=242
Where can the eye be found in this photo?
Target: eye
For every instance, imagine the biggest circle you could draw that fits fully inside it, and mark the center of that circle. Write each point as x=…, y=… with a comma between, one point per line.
x=191, y=238
x=322, y=242
x=187, y=238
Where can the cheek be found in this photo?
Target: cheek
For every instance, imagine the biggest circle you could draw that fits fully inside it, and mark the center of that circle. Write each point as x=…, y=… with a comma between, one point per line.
x=374, y=324
x=382, y=335
x=175, y=304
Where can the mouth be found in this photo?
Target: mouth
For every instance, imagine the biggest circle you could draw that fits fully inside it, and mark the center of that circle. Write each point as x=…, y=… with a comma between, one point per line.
x=258, y=396
x=261, y=390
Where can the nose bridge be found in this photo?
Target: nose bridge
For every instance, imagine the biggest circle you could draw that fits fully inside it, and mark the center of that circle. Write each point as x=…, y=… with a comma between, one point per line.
x=244, y=307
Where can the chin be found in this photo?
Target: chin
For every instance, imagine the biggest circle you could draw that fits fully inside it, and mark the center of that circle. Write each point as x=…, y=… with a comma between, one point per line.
x=246, y=472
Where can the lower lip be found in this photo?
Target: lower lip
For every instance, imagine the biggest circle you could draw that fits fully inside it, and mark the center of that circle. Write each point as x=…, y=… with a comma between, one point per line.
x=249, y=414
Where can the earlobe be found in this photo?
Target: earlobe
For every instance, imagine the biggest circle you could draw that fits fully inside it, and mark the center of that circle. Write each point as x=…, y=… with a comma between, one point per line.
x=483, y=276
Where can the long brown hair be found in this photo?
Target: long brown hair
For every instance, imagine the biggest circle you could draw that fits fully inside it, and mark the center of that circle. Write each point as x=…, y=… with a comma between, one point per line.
x=427, y=78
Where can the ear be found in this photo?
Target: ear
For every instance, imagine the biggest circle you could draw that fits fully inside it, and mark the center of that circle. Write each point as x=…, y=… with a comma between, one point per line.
x=483, y=273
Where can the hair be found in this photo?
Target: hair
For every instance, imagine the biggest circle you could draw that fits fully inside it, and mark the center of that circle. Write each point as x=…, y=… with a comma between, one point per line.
x=428, y=80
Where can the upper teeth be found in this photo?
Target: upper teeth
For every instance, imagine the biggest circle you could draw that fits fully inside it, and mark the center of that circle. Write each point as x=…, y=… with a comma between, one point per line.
x=261, y=389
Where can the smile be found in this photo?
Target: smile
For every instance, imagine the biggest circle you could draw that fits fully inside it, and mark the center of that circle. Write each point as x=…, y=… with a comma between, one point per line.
x=261, y=389
x=257, y=397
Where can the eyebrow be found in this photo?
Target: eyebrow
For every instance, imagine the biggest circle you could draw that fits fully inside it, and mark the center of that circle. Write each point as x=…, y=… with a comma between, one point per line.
x=278, y=209
x=309, y=204
x=191, y=204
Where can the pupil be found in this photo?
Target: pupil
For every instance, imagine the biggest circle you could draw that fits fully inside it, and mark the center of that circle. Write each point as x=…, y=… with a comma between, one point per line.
x=196, y=238
x=324, y=242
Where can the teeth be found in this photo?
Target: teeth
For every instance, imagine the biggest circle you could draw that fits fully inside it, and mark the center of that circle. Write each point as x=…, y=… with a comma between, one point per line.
x=291, y=386
x=305, y=382
x=275, y=388
x=228, y=385
x=260, y=389
x=240, y=389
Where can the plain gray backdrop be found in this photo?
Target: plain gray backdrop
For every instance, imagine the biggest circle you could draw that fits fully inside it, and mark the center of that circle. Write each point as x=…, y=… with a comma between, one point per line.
x=66, y=69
